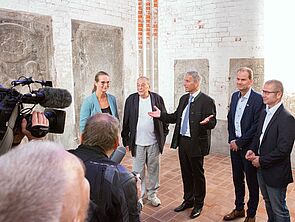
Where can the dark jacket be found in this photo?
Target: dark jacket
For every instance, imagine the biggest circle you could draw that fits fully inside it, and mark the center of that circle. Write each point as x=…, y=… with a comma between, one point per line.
x=276, y=147
x=112, y=187
x=202, y=107
x=131, y=117
x=249, y=119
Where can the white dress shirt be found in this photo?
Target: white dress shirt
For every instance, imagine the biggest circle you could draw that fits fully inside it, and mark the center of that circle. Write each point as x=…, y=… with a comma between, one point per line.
x=269, y=114
x=241, y=105
x=188, y=133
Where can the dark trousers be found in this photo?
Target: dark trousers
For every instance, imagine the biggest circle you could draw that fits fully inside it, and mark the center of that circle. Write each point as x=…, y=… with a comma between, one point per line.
x=192, y=171
x=240, y=168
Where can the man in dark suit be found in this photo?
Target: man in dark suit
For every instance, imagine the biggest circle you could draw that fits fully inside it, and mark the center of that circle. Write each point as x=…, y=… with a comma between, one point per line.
x=195, y=116
x=271, y=152
x=145, y=136
x=243, y=117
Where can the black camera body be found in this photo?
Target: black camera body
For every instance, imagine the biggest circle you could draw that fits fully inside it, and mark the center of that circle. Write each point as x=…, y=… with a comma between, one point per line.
x=56, y=120
x=46, y=96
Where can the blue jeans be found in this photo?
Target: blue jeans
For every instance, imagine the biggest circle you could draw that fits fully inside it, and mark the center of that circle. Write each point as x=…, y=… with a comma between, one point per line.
x=275, y=201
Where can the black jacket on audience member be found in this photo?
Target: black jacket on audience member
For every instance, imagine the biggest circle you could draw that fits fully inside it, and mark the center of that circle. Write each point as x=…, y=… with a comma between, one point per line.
x=113, y=191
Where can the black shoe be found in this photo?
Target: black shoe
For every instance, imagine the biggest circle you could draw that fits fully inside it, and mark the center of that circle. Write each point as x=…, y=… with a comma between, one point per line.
x=183, y=206
x=195, y=212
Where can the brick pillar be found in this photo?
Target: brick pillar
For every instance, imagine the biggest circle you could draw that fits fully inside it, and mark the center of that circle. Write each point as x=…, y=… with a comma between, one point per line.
x=147, y=31
x=140, y=36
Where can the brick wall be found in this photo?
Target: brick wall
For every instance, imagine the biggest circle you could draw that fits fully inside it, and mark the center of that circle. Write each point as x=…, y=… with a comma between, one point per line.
x=148, y=7
x=213, y=29
x=147, y=34
x=216, y=30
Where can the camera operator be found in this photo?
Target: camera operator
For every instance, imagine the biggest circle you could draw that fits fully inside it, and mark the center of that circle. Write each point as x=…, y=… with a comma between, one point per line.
x=113, y=190
x=38, y=119
x=13, y=127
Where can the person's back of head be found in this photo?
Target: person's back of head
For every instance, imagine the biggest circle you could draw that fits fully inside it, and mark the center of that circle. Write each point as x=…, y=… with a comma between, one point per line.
x=36, y=180
x=101, y=130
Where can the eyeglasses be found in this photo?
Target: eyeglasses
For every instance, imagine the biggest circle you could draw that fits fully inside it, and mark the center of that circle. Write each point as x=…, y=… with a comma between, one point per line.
x=268, y=92
x=105, y=82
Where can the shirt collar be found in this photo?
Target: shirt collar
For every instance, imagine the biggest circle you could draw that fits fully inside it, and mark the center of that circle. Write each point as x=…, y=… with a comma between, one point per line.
x=195, y=94
x=246, y=96
x=273, y=109
x=140, y=98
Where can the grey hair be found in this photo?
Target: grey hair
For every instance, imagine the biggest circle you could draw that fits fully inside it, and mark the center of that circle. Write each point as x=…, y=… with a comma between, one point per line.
x=145, y=78
x=196, y=76
x=248, y=70
x=101, y=130
x=33, y=182
x=278, y=85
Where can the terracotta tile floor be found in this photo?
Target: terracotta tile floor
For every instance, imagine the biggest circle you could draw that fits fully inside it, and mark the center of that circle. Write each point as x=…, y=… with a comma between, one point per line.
x=219, y=198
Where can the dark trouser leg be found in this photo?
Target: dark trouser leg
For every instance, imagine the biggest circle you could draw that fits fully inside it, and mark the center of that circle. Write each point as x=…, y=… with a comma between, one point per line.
x=198, y=181
x=186, y=172
x=238, y=179
x=252, y=183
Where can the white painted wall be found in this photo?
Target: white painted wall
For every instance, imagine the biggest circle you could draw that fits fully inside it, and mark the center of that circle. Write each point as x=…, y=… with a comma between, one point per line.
x=115, y=12
x=224, y=23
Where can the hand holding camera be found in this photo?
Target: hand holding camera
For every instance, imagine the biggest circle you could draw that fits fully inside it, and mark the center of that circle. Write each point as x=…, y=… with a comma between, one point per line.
x=39, y=123
x=17, y=121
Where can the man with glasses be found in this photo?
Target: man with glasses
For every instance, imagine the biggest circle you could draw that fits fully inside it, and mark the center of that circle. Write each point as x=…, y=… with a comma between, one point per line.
x=243, y=117
x=271, y=150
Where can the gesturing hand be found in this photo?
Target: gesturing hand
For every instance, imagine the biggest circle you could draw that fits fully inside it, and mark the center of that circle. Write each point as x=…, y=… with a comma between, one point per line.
x=206, y=120
x=156, y=113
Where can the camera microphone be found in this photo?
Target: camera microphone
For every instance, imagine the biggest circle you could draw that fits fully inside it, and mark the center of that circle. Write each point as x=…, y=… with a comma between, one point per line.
x=49, y=97
x=118, y=155
x=55, y=98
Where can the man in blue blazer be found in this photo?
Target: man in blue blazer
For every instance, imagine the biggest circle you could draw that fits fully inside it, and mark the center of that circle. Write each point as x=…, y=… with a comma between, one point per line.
x=271, y=150
x=243, y=117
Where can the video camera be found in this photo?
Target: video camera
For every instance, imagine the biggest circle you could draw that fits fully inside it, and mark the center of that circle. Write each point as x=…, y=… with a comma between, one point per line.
x=12, y=109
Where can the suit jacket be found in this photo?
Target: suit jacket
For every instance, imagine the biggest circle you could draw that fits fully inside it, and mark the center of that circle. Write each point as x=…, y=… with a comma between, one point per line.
x=131, y=117
x=202, y=107
x=249, y=119
x=90, y=106
x=276, y=147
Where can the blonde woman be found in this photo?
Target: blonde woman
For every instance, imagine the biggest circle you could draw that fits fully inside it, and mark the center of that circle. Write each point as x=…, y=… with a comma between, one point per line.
x=99, y=101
